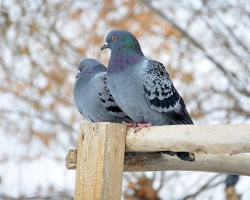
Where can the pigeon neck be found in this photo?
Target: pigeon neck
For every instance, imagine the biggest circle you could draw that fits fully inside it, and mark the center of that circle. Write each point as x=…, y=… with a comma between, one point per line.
x=120, y=61
x=90, y=71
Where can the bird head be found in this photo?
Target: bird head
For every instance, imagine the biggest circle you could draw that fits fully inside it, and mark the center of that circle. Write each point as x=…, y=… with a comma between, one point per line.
x=90, y=65
x=121, y=40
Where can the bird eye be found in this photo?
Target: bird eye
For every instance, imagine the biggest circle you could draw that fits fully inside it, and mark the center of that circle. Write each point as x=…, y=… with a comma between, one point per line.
x=114, y=38
x=83, y=66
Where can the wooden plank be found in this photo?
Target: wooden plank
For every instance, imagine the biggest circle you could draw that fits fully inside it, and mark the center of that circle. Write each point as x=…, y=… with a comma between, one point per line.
x=210, y=139
x=100, y=157
x=227, y=164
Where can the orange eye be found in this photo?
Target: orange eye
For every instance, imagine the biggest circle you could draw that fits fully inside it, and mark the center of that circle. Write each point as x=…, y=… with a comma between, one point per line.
x=114, y=38
x=83, y=66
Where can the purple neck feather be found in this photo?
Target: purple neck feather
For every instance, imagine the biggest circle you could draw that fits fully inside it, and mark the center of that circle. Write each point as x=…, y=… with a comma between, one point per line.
x=118, y=62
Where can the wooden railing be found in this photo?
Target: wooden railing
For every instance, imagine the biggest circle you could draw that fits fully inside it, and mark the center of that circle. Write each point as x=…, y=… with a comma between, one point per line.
x=99, y=160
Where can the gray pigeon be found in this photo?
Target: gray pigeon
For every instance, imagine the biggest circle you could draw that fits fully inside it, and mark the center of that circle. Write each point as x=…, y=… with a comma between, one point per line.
x=231, y=180
x=92, y=96
x=142, y=87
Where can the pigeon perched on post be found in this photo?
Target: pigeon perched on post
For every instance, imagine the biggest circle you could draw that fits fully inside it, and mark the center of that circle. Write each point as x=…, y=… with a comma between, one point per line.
x=92, y=96
x=231, y=180
x=230, y=189
x=142, y=87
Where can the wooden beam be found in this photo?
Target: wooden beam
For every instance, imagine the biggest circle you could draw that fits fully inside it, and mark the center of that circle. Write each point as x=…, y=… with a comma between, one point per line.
x=101, y=152
x=155, y=161
x=209, y=139
x=227, y=164
x=100, y=158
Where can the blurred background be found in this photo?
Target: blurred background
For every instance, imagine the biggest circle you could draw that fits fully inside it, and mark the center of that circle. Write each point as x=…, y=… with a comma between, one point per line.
x=204, y=45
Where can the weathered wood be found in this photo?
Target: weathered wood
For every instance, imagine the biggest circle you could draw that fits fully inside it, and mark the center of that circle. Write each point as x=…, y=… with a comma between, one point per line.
x=100, y=157
x=231, y=194
x=71, y=159
x=210, y=139
x=100, y=153
x=227, y=164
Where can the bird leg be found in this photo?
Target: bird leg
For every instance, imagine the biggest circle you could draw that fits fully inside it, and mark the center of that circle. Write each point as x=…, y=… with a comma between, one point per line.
x=139, y=126
x=132, y=124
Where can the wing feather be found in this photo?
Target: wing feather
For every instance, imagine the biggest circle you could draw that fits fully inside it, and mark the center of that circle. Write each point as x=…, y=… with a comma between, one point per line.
x=161, y=94
x=106, y=97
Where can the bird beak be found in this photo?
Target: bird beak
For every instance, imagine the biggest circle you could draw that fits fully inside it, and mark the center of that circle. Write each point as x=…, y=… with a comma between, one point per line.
x=77, y=75
x=105, y=46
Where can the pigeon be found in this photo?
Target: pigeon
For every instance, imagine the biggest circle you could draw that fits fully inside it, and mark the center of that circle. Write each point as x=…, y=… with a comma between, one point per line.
x=142, y=88
x=231, y=180
x=92, y=96
x=230, y=190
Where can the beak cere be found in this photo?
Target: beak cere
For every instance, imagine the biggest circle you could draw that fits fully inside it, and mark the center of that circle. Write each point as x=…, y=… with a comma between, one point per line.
x=105, y=46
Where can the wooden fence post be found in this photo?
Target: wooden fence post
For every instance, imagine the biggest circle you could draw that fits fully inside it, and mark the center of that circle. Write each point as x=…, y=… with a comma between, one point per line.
x=101, y=147
x=100, y=160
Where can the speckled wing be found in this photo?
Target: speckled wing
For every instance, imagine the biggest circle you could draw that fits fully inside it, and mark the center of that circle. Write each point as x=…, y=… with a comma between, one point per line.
x=161, y=94
x=107, y=99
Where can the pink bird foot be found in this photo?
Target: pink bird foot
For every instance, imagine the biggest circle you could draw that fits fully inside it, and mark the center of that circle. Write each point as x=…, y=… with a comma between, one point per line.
x=139, y=126
x=132, y=124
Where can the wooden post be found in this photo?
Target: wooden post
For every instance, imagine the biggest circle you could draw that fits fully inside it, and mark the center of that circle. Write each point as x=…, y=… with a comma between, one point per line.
x=100, y=158
x=101, y=148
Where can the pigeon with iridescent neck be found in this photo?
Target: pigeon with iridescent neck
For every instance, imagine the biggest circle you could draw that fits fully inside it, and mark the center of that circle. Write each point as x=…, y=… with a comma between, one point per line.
x=92, y=96
x=142, y=88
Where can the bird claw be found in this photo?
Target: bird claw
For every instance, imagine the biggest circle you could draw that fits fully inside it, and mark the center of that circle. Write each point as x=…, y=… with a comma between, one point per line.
x=139, y=126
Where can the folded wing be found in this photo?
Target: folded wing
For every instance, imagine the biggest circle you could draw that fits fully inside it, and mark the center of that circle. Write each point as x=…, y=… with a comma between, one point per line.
x=107, y=99
x=161, y=94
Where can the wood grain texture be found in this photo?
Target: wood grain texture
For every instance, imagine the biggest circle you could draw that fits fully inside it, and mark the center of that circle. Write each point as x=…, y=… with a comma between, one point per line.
x=100, y=158
x=155, y=161
x=71, y=159
x=227, y=164
x=210, y=139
